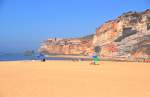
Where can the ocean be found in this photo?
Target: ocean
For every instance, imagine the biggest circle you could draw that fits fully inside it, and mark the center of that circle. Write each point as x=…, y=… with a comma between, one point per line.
x=19, y=57
x=15, y=57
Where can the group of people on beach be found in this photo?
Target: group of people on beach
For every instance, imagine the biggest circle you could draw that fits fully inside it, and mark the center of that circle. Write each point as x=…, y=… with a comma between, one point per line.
x=95, y=58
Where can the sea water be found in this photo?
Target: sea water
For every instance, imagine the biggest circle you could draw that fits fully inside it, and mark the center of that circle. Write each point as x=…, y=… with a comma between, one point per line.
x=19, y=57
x=14, y=57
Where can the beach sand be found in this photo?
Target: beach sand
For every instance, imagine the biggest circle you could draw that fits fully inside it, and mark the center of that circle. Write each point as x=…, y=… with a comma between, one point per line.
x=74, y=79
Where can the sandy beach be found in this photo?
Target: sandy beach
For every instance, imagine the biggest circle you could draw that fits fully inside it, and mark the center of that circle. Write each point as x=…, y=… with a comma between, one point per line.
x=74, y=79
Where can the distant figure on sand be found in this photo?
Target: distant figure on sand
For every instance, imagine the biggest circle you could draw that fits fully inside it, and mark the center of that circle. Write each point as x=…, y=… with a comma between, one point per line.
x=42, y=57
x=96, y=52
x=96, y=59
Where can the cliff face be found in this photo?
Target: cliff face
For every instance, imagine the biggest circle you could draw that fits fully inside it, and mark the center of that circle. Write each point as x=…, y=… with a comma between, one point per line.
x=68, y=46
x=128, y=36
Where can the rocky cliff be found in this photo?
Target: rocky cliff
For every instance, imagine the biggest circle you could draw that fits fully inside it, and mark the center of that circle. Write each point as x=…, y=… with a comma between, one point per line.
x=126, y=37
x=74, y=46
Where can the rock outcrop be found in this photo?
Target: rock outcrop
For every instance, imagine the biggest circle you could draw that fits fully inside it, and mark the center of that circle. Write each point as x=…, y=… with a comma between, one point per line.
x=74, y=46
x=126, y=37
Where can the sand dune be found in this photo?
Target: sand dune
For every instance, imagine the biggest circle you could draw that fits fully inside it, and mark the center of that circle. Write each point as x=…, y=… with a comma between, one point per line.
x=74, y=79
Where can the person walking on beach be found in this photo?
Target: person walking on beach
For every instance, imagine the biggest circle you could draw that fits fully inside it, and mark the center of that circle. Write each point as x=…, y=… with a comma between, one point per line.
x=95, y=59
x=96, y=56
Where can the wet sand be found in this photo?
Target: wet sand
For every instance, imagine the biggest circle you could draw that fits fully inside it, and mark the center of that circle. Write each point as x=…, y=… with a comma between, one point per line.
x=74, y=79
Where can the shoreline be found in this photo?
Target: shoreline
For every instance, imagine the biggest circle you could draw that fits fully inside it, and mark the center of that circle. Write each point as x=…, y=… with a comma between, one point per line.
x=77, y=58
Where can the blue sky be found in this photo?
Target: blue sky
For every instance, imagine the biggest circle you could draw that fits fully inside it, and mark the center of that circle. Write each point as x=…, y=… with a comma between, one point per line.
x=26, y=23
